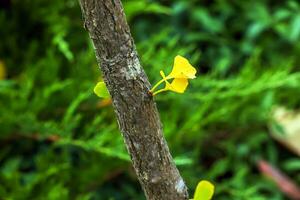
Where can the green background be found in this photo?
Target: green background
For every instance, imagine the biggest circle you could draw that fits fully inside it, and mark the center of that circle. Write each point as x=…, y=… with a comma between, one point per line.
x=59, y=141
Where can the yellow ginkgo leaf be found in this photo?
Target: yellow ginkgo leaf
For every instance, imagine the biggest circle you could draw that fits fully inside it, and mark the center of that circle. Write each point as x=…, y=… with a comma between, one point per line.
x=177, y=85
x=204, y=191
x=182, y=69
x=101, y=91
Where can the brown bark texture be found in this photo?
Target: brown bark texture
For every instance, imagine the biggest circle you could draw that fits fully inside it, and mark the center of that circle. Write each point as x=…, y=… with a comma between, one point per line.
x=135, y=109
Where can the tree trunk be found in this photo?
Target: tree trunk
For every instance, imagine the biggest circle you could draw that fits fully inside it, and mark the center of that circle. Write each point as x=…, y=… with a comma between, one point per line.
x=136, y=111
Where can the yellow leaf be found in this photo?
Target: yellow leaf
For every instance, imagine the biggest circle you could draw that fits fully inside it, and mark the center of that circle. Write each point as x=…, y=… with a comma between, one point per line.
x=104, y=102
x=101, y=91
x=2, y=70
x=178, y=84
x=182, y=69
x=204, y=191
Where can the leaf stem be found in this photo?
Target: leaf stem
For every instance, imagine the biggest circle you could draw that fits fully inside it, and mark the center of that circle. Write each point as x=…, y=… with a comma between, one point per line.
x=156, y=85
x=159, y=91
x=159, y=82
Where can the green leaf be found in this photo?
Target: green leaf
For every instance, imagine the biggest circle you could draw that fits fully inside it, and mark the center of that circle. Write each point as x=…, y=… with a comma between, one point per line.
x=295, y=28
x=101, y=90
x=135, y=8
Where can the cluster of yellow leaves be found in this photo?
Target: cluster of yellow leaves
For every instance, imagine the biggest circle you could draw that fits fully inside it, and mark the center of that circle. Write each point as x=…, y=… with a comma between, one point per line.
x=181, y=72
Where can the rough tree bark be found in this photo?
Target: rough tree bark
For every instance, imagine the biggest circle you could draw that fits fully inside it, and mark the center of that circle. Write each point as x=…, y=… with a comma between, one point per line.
x=136, y=111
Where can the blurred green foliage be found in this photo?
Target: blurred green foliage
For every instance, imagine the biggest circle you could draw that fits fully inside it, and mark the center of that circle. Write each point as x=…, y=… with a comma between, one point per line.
x=59, y=141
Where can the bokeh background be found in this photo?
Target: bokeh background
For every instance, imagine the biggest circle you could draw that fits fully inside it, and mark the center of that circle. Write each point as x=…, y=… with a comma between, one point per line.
x=59, y=141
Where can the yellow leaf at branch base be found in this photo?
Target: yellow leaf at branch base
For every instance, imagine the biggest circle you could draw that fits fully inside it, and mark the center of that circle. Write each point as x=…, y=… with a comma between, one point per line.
x=104, y=103
x=177, y=85
x=2, y=70
x=204, y=191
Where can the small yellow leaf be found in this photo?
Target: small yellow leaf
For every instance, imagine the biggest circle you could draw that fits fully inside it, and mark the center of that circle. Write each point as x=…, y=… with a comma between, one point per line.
x=2, y=70
x=101, y=91
x=181, y=72
x=204, y=191
x=182, y=69
x=178, y=85
x=104, y=102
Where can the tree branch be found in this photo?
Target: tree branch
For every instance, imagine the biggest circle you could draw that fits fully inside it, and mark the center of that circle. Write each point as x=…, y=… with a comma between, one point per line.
x=136, y=111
